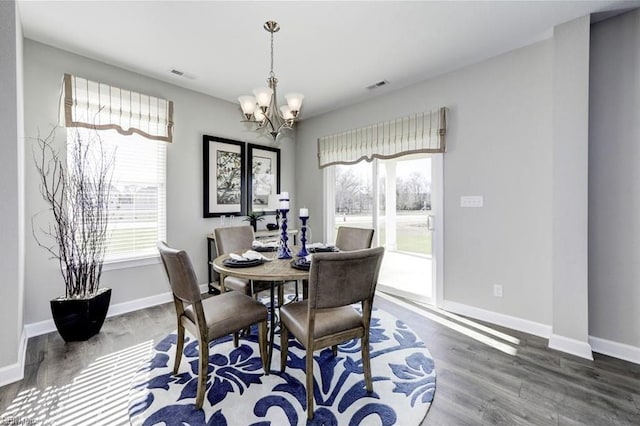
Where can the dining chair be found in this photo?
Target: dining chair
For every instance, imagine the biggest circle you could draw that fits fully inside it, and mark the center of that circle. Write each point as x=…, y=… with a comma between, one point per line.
x=237, y=239
x=349, y=238
x=326, y=318
x=211, y=318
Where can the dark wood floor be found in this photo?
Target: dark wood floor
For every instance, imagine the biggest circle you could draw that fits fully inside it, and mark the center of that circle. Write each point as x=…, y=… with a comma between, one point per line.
x=86, y=383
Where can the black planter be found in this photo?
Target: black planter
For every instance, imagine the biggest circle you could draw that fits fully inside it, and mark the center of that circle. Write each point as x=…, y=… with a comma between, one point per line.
x=79, y=319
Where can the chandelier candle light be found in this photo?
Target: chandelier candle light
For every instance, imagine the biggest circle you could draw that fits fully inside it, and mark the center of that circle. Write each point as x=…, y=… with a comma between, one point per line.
x=304, y=216
x=284, y=252
x=262, y=108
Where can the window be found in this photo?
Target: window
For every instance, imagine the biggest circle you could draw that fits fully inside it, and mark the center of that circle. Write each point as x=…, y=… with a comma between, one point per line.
x=137, y=211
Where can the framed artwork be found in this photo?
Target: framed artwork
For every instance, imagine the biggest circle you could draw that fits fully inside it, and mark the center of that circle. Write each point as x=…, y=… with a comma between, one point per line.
x=264, y=178
x=225, y=186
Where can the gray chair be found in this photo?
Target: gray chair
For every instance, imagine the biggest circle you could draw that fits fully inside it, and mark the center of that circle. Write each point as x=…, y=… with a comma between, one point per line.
x=326, y=318
x=210, y=318
x=350, y=238
x=237, y=239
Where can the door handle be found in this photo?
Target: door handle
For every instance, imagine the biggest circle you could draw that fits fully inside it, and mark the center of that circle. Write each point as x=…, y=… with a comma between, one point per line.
x=430, y=219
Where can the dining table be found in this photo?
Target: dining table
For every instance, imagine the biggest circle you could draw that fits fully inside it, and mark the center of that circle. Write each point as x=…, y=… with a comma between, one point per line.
x=261, y=235
x=275, y=271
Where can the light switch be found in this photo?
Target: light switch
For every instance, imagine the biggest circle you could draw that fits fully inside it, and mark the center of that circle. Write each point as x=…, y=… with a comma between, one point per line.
x=471, y=201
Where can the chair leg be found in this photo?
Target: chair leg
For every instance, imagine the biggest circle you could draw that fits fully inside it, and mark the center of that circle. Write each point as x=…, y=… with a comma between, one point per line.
x=179, y=348
x=284, y=347
x=202, y=372
x=262, y=343
x=235, y=339
x=309, y=367
x=281, y=294
x=366, y=362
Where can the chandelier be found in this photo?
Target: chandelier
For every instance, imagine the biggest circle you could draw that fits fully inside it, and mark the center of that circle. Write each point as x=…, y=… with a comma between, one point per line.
x=262, y=108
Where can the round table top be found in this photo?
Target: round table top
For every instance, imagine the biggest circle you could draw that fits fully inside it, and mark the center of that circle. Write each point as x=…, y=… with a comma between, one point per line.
x=274, y=270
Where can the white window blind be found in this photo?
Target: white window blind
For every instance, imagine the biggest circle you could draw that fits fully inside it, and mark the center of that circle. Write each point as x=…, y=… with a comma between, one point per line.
x=418, y=133
x=135, y=127
x=137, y=211
x=99, y=106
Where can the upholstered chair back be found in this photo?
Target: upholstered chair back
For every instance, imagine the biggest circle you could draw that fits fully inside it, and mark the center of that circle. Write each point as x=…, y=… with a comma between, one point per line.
x=349, y=238
x=234, y=238
x=182, y=277
x=343, y=278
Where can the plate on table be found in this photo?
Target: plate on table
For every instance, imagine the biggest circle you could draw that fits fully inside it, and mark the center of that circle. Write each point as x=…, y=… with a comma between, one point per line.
x=233, y=263
x=266, y=246
x=327, y=249
x=265, y=249
x=301, y=263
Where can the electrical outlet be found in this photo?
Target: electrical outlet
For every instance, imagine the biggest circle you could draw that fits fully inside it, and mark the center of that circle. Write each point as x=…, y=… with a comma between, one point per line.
x=497, y=290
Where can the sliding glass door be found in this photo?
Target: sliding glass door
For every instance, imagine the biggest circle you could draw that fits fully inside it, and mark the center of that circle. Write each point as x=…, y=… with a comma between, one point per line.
x=404, y=226
x=394, y=197
x=354, y=196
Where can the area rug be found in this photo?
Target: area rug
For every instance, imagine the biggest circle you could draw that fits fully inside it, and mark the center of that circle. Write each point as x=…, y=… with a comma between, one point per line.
x=238, y=393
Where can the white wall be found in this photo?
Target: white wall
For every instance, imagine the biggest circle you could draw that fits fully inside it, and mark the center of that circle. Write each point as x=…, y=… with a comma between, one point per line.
x=614, y=180
x=11, y=223
x=194, y=115
x=499, y=146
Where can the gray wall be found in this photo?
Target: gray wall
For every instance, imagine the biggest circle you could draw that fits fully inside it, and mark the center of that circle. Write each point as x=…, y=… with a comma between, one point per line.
x=506, y=128
x=194, y=115
x=11, y=223
x=570, y=186
x=499, y=144
x=614, y=180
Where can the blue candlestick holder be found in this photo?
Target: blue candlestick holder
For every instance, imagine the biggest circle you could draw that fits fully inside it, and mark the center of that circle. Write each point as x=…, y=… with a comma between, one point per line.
x=284, y=252
x=303, y=239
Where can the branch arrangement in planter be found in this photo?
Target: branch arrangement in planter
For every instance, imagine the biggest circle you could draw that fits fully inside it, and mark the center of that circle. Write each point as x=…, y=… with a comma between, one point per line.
x=78, y=194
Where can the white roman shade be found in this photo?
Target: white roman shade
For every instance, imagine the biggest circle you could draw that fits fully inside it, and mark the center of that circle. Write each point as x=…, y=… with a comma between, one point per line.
x=421, y=132
x=99, y=106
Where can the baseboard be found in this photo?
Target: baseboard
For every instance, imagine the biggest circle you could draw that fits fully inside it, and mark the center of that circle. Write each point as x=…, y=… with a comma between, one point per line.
x=615, y=349
x=38, y=328
x=557, y=342
x=514, y=323
x=571, y=346
x=14, y=372
x=48, y=326
x=135, y=305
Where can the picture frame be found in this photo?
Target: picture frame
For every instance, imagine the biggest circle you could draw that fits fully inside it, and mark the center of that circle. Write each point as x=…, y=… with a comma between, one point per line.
x=263, y=167
x=224, y=180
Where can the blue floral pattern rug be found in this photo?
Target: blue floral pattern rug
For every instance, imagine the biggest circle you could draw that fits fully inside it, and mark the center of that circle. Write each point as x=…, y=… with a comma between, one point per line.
x=238, y=393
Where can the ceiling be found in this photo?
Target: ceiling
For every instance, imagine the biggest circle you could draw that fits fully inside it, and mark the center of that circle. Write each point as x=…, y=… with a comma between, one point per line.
x=329, y=51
